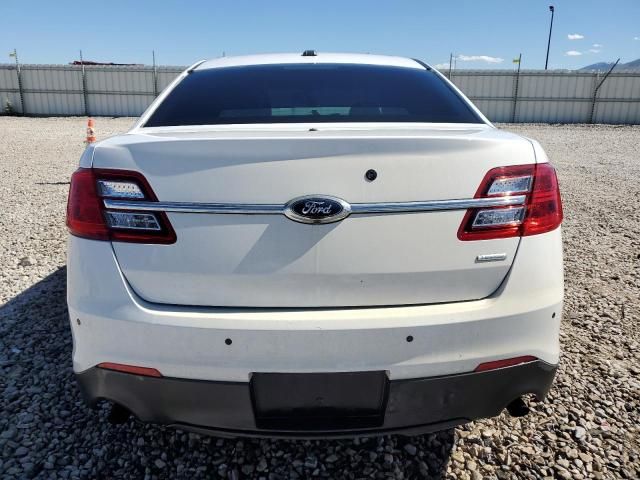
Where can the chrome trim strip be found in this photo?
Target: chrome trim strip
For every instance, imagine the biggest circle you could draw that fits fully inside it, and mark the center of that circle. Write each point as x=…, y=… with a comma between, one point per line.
x=437, y=205
x=273, y=209
x=187, y=207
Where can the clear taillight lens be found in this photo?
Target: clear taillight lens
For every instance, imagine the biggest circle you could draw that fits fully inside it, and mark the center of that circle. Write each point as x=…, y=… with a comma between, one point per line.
x=114, y=189
x=510, y=185
x=132, y=220
x=498, y=217
x=541, y=212
x=88, y=218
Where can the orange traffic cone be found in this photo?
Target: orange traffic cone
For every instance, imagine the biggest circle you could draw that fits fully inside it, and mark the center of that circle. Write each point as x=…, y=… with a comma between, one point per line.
x=91, y=133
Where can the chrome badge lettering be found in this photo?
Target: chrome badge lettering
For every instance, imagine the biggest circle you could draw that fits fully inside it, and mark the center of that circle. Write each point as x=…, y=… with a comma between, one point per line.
x=317, y=209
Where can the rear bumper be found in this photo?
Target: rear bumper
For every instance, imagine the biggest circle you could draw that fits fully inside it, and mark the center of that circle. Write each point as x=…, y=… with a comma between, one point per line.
x=225, y=408
x=110, y=323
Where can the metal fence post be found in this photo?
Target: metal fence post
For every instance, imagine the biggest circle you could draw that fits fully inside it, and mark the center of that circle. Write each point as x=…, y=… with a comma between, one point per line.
x=595, y=90
x=85, y=95
x=515, y=91
x=596, y=77
x=20, y=88
x=155, y=75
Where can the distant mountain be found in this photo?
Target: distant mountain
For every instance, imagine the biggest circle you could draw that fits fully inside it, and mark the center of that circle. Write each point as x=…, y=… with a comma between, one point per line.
x=633, y=66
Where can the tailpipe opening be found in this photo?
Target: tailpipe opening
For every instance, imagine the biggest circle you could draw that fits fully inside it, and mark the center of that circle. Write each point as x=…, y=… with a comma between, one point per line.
x=118, y=414
x=518, y=408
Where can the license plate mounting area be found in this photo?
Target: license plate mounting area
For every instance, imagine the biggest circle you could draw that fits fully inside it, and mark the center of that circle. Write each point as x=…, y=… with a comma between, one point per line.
x=319, y=401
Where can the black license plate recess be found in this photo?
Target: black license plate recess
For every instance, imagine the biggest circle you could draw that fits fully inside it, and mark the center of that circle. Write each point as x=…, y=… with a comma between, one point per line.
x=319, y=401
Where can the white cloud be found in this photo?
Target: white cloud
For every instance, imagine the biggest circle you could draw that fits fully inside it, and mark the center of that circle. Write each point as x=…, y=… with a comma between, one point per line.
x=594, y=50
x=573, y=53
x=597, y=45
x=479, y=58
x=441, y=66
x=575, y=36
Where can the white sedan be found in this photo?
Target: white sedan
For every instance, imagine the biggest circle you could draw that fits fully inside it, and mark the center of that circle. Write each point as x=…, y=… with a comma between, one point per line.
x=314, y=245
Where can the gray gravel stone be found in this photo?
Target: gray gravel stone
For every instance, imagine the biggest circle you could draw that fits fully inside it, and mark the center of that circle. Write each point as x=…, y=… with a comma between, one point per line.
x=410, y=449
x=21, y=451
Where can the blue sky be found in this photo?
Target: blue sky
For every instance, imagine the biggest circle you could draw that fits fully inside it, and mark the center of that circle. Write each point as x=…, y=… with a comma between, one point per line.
x=482, y=33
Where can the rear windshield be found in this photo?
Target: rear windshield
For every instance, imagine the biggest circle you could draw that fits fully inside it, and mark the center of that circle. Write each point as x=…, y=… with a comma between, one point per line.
x=311, y=93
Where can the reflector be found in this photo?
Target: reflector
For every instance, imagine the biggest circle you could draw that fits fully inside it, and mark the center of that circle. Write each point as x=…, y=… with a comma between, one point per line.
x=119, y=367
x=508, y=362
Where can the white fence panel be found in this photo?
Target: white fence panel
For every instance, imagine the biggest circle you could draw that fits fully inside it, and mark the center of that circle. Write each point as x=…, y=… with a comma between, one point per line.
x=113, y=105
x=9, y=91
x=497, y=109
x=491, y=92
x=166, y=76
x=618, y=100
x=531, y=110
x=118, y=91
x=479, y=84
x=540, y=96
x=554, y=98
x=60, y=103
x=52, y=88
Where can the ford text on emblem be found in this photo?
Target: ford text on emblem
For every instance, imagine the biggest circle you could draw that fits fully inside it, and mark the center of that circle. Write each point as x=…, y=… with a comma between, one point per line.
x=317, y=209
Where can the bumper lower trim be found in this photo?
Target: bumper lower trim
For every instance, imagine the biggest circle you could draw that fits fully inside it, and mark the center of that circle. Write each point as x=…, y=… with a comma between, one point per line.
x=225, y=408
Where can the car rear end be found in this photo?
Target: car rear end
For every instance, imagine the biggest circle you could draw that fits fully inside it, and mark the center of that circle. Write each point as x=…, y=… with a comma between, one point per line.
x=236, y=267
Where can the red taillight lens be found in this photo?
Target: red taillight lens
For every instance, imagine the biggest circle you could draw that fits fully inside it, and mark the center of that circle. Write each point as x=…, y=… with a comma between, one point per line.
x=541, y=212
x=544, y=212
x=88, y=218
x=84, y=207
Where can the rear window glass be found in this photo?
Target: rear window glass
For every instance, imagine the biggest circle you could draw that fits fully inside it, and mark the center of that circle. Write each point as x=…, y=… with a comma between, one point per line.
x=310, y=94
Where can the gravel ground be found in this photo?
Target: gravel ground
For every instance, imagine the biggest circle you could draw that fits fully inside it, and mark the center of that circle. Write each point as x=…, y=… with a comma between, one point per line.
x=587, y=429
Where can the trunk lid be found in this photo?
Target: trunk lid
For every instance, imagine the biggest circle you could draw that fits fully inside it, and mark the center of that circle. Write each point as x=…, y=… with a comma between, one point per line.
x=233, y=260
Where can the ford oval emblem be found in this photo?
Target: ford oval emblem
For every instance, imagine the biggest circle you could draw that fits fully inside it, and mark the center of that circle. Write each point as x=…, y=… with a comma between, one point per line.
x=317, y=209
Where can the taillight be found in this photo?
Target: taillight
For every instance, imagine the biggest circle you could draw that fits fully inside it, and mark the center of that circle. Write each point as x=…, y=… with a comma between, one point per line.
x=87, y=216
x=540, y=212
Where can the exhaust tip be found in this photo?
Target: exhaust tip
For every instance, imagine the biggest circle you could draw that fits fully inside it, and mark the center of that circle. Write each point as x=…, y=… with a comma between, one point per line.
x=118, y=414
x=517, y=408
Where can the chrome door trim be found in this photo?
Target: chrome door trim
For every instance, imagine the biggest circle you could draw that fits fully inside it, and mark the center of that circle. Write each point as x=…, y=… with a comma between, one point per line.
x=275, y=209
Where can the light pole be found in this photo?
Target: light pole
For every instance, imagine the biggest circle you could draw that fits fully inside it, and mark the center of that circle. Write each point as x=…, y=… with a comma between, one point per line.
x=552, y=9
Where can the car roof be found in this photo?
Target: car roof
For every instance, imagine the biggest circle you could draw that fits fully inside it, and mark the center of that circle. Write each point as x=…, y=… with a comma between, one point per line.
x=298, y=58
